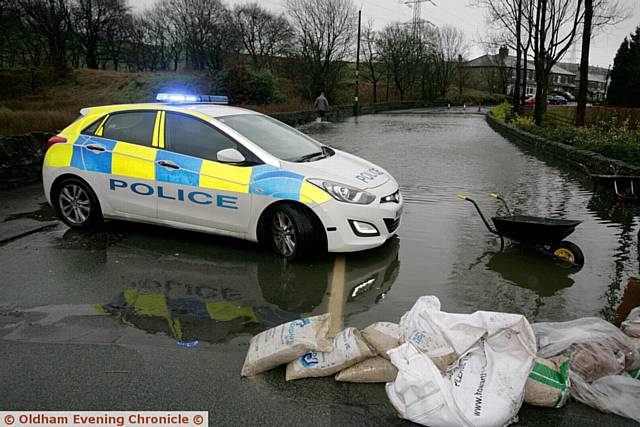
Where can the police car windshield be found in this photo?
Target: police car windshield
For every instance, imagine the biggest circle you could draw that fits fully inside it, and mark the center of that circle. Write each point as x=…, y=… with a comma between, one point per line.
x=276, y=138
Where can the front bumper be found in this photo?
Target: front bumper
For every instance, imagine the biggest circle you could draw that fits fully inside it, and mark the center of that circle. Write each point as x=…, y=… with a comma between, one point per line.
x=341, y=237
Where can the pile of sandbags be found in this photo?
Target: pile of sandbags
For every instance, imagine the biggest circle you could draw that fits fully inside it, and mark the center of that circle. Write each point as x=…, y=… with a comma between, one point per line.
x=450, y=369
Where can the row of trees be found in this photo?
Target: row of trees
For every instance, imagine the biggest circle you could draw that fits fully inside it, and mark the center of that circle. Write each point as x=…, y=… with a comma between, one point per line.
x=543, y=31
x=313, y=43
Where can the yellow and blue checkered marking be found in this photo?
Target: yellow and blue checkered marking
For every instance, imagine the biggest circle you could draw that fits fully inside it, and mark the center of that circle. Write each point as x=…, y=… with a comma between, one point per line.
x=137, y=161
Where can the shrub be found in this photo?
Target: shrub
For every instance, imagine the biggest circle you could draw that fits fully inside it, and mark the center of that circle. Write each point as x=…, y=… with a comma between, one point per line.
x=523, y=122
x=244, y=85
x=501, y=111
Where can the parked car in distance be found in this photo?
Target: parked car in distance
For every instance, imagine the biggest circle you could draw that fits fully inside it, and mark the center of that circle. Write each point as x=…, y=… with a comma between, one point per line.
x=557, y=100
x=530, y=101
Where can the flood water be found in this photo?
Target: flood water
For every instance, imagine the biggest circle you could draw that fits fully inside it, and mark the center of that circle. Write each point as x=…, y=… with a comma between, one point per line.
x=176, y=285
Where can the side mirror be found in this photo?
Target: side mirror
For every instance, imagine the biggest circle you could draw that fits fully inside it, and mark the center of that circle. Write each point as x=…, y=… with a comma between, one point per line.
x=230, y=155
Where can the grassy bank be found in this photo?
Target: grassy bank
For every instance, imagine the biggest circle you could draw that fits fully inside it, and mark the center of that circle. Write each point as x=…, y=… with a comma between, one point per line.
x=31, y=103
x=611, y=132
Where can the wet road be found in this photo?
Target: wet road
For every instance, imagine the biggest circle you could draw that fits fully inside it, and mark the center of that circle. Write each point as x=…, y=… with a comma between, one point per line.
x=91, y=320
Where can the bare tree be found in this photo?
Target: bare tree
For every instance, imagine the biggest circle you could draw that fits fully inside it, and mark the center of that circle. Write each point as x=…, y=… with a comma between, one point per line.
x=400, y=51
x=373, y=67
x=264, y=34
x=448, y=45
x=324, y=34
x=50, y=19
x=597, y=14
x=91, y=20
x=206, y=27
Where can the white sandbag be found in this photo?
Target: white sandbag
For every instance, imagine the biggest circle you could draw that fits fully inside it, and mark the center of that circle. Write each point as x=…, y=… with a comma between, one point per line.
x=484, y=387
x=554, y=338
x=548, y=383
x=374, y=370
x=631, y=326
x=382, y=336
x=617, y=394
x=348, y=349
x=435, y=347
x=286, y=342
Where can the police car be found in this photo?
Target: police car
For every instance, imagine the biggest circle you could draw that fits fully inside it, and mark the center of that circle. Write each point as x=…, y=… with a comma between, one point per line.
x=193, y=162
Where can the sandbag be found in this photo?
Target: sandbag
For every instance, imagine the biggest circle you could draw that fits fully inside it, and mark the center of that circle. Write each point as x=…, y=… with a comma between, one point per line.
x=595, y=360
x=374, y=370
x=382, y=336
x=631, y=326
x=484, y=387
x=548, y=383
x=617, y=394
x=348, y=349
x=286, y=342
x=554, y=338
x=435, y=347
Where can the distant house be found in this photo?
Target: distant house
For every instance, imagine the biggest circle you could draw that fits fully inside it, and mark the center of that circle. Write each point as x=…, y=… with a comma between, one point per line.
x=497, y=73
x=597, y=87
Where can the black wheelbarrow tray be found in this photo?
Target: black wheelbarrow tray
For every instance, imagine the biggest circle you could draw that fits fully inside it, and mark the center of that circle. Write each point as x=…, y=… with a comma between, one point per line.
x=543, y=234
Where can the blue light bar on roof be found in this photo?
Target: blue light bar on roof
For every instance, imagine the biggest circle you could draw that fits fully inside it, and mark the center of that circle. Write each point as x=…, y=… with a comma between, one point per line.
x=181, y=97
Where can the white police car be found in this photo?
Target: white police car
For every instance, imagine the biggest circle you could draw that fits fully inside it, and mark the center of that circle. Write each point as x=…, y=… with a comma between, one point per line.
x=191, y=163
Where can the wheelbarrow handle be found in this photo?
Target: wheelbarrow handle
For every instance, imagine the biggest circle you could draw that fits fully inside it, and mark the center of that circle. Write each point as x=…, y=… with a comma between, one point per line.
x=504, y=202
x=486, y=223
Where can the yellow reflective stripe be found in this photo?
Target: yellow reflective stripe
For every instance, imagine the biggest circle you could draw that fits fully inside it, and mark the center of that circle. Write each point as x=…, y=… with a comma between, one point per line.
x=152, y=304
x=236, y=178
x=161, y=130
x=59, y=155
x=133, y=160
x=100, y=128
x=156, y=126
x=309, y=193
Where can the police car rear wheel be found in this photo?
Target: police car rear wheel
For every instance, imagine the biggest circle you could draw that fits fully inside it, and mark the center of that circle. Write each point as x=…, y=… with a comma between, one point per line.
x=292, y=232
x=77, y=204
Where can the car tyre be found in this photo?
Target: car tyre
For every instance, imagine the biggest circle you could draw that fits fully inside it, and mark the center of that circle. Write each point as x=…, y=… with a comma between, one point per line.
x=292, y=233
x=77, y=204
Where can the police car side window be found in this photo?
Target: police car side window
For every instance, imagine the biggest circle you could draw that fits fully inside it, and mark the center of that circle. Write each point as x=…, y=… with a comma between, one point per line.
x=186, y=135
x=135, y=127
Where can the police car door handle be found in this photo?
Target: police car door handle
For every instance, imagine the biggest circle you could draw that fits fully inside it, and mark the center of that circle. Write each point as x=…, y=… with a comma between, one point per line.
x=168, y=164
x=96, y=147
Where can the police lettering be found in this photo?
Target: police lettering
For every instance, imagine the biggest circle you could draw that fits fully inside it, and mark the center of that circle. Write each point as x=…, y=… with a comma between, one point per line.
x=197, y=197
x=369, y=174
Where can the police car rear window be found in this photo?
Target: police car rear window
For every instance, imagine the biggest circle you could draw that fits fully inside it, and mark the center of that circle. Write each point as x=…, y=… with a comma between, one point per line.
x=134, y=127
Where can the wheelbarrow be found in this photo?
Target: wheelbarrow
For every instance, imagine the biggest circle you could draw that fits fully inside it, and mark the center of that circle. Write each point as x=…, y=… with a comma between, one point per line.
x=543, y=234
x=622, y=185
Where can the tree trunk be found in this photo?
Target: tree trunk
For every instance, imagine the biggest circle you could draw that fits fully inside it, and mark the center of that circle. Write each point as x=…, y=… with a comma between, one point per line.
x=540, y=60
x=525, y=70
x=516, y=89
x=584, y=64
x=375, y=91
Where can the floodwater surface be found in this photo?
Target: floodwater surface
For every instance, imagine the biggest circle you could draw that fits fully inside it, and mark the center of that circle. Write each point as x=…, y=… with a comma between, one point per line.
x=131, y=280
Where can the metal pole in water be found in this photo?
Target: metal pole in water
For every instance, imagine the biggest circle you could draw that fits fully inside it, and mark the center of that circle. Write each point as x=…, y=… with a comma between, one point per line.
x=336, y=296
x=357, y=93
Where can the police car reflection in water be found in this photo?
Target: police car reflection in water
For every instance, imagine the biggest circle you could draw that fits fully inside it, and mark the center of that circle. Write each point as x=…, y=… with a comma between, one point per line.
x=283, y=292
x=189, y=162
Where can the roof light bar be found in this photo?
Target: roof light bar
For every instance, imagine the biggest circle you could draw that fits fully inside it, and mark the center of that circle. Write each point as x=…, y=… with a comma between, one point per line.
x=181, y=97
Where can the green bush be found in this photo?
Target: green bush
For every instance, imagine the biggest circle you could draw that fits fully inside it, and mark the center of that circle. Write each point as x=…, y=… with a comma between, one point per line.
x=244, y=85
x=523, y=122
x=502, y=111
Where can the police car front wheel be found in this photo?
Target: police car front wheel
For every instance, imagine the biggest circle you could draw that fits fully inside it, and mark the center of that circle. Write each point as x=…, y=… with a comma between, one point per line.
x=292, y=232
x=76, y=204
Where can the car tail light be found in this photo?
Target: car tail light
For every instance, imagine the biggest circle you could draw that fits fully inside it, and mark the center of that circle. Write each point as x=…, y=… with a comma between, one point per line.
x=55, y=140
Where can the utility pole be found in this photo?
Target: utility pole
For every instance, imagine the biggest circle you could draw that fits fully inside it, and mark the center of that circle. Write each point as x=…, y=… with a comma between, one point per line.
x=357, y=94
x=417, y=15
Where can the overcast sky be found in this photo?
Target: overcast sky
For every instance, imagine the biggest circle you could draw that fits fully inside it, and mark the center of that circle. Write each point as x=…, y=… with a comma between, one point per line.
x=458, y=13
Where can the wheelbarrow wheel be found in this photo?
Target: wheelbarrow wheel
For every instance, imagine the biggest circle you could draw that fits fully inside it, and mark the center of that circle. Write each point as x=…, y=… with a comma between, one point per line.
x=569, y=252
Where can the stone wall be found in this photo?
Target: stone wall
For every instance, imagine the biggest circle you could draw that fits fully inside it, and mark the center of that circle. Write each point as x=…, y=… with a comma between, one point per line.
x=597, y=163
x=21, y=156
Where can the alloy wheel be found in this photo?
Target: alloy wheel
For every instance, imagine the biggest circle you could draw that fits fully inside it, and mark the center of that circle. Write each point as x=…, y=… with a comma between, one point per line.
x=74, y=204
x=284, y=236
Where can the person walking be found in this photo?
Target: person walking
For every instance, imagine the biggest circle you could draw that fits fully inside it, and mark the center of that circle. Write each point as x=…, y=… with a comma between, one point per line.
x=321, y=105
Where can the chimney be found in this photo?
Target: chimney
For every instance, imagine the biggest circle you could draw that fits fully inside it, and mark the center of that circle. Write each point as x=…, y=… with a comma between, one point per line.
x=503, y=53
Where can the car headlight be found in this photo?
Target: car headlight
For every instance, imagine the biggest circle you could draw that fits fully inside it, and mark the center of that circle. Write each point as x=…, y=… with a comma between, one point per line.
x=343, y=193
